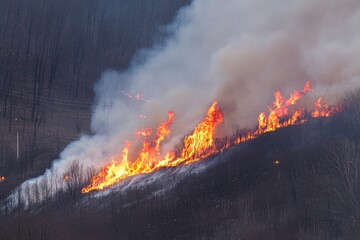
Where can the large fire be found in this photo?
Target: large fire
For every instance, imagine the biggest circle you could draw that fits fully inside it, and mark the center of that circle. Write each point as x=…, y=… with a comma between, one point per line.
x=146, y=161
x=201, y=142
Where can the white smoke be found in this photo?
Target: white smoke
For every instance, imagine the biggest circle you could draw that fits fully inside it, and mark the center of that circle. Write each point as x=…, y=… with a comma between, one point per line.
x=237, y=52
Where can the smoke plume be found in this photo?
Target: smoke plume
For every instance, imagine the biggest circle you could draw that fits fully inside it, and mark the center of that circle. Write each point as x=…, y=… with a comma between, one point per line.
x=237, y=52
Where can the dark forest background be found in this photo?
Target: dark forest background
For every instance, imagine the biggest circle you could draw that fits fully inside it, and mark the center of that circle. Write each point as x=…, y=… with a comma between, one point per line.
x=300, y=182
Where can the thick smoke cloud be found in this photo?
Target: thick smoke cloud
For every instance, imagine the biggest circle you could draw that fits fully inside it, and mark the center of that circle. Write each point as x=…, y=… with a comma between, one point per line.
x=237, y=52
x=240, y=52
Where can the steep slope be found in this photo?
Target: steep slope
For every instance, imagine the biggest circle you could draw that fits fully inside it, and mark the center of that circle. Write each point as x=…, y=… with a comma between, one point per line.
x=298, y=182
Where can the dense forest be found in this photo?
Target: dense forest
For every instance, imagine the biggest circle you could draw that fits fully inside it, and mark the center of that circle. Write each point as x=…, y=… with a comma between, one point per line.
x=51, y=54
x=299, y=182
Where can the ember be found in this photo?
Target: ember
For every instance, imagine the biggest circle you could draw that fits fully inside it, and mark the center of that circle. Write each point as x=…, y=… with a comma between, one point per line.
x=137, y=96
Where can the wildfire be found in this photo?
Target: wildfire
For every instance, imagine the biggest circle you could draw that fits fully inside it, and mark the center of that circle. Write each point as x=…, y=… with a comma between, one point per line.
x=200, y=143
x=2, y=178
x=324, y=110
x=145, y=132
x=145, y=162
x=197, y=145
x=280, y=110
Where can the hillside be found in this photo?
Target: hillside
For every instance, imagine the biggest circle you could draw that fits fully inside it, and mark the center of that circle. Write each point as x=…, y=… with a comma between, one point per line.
x=183, y=119
x=299, y=182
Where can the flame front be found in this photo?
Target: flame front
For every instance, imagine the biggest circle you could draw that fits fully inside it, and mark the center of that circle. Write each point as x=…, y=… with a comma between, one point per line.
x=197, y=145
x=280, y=110
x=324, y=110
x=146, y=161
x=200, y=143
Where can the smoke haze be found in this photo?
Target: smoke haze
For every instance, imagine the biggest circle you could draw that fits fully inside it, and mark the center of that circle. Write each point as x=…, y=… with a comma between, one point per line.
x=237, y=52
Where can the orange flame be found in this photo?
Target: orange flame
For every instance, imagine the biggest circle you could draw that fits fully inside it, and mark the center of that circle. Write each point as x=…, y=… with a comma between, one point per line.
x=145, y=162
x=2, y=178
x=324, y=110
x=280, y=110
x=145, y=132
x=197, y=145
x=200, y=143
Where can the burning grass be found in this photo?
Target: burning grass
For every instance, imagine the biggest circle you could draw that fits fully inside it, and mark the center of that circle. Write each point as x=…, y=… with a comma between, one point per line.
x=201, y=142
